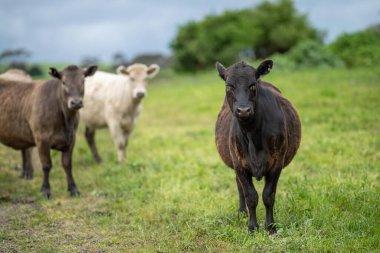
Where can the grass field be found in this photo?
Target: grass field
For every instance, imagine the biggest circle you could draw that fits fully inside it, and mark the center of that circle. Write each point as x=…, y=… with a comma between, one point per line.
x=174, y=194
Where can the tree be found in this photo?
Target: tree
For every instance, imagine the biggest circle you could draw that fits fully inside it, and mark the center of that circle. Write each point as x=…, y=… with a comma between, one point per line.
x=270, y=27
x=119, y=59
x=15, y=58
x=89, y=60
x=359, y=48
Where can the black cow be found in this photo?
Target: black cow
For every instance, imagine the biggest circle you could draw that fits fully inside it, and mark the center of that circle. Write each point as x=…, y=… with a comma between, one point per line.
x=257, y=134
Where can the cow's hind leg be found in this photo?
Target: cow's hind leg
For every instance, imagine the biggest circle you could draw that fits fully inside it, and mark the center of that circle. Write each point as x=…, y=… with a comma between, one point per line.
x=251, y=198
x=27, y=165
x=67, y=165
x=90, y=138
x=269, y=194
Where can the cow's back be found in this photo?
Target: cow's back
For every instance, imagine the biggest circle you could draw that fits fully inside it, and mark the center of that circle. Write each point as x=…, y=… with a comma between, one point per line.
x=16, y=75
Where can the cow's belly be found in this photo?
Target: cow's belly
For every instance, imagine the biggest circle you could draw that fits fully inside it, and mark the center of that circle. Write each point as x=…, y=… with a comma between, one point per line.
x=17, y=142
x=16, y=135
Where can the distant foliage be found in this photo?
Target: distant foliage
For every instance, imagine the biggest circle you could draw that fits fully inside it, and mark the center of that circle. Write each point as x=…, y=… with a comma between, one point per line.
x=360, y=49
x=152, y=58
x=309, y=54
x=35, y=71
x=89, y=60
x=270, y=27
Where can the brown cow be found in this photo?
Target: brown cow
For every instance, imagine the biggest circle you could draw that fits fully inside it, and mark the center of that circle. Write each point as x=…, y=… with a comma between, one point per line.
x=26, y=154
x=257, y=132
x=44, y=114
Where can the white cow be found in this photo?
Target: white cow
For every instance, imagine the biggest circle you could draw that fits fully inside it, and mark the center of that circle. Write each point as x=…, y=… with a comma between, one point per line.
x=114, y=101
x=16, y=75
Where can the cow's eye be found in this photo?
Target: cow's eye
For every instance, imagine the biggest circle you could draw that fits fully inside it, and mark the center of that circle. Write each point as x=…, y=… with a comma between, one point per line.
x=65, y=87
x=229, y=88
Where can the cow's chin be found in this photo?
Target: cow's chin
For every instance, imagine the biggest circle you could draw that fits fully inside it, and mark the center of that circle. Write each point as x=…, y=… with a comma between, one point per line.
x=75, y=108
x=244, y=117
x=138, y=98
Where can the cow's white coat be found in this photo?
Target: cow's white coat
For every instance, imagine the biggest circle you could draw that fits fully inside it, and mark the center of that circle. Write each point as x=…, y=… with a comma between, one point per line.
x=114, y=101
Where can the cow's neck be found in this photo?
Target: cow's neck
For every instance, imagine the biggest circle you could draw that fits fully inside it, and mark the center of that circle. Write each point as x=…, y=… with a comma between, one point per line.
x=69, y=116
x=249, y=137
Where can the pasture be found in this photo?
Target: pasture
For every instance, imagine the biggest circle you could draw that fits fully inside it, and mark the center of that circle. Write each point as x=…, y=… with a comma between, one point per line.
x=174, y=194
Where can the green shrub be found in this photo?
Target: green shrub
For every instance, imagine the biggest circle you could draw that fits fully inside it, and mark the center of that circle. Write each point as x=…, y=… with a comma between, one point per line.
x=360, y=49
x=313, y=54
x=307, y=54
x=268, y=28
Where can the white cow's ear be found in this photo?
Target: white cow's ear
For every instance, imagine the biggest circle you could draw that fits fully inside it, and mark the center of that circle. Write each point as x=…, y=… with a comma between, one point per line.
x=153, y=70
x=121, y=70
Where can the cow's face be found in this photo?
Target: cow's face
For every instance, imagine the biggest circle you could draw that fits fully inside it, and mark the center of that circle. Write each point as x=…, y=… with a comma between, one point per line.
x=138, y=75
x=72, y=84
x=241, y=86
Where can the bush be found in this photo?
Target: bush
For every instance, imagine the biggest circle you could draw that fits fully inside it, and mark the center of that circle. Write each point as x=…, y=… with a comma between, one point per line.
x=268, y=28
x=360, y=49
x=313, y=54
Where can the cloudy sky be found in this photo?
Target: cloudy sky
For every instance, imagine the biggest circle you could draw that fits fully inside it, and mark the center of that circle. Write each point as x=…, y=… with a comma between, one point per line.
x=66, y=31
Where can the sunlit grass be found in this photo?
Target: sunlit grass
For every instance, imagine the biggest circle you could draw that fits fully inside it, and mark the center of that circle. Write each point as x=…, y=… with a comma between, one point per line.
x=173, y=194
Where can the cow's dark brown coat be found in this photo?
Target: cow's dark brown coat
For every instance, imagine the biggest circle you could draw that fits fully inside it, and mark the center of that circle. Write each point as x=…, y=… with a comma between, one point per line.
x=44, y=114
x=257, y=132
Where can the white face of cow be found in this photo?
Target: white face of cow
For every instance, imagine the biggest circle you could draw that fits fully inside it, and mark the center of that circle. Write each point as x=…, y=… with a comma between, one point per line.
x=138, y=75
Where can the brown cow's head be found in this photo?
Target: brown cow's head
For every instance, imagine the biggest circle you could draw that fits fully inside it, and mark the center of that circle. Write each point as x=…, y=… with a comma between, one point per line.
x=72, y=83
x=138, y=75
x=241, y=83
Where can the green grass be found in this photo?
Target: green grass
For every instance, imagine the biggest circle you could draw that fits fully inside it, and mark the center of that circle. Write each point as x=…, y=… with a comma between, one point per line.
x=173, y=194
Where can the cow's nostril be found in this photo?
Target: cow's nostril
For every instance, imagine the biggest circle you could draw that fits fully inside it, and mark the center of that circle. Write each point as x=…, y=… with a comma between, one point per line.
x=76, y=103
x=140, y=94
x=243, y=111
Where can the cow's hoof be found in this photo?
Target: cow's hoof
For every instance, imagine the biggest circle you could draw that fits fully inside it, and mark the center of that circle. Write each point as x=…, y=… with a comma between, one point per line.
x=271, y=229
x=28, y=175
x=74, y=192
x=242, y=212
x=46, y=192
x=98, y=160
x=253, y=229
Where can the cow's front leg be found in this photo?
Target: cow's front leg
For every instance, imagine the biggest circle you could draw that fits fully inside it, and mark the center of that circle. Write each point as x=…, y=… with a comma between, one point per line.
x=251, y=197
x=67, y=165
x=44, y=154
x=118, y=138
x=27, y=165
x=269, y=194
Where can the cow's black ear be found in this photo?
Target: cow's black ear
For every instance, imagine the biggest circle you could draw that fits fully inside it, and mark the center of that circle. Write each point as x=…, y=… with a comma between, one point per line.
x=221, y=70
x=90, y=70
x=55, y=73
x=264, y=68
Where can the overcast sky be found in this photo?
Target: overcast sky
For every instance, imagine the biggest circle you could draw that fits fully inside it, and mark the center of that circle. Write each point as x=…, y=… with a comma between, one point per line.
x=66, y=31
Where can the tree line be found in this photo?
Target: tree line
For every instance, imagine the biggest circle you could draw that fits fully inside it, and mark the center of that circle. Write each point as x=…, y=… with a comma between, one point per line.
x=269, y=29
